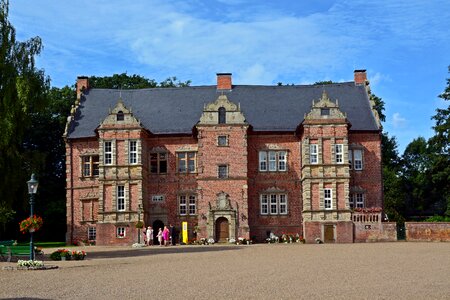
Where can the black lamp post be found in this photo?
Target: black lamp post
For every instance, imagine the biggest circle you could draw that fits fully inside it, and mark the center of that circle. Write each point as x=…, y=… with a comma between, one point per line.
x=32, y=189
x=139, y=221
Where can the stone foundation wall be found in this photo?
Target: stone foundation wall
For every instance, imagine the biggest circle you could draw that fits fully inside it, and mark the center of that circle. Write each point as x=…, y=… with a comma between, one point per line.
x=427, y=232
x=375, y=232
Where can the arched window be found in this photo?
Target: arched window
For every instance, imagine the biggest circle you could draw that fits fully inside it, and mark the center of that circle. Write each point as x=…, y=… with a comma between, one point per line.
x=222, y=113
x=120, y=116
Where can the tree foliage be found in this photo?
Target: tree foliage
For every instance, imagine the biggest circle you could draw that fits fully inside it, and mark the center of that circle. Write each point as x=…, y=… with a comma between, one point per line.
x=126, y=82
x=22, y=94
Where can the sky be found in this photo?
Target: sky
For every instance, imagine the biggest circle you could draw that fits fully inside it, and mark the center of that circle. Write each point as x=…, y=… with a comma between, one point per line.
x=403, y=45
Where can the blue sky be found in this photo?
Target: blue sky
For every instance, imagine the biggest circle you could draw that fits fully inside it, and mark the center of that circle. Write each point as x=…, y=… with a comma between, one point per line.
x=404, y=45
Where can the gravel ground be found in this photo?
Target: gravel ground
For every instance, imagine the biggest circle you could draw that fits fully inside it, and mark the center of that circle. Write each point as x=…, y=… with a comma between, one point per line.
x=286, y=271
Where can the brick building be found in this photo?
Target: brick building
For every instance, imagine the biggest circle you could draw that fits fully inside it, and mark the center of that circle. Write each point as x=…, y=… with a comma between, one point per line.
x=231, y=160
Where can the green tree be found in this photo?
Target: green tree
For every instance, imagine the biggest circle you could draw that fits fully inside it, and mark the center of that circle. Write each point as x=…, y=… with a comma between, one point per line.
x=22, y=94
x=439, y=147
x=126, y=82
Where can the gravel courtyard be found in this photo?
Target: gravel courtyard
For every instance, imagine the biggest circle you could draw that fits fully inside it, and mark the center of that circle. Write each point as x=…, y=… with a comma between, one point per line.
x=283, y=271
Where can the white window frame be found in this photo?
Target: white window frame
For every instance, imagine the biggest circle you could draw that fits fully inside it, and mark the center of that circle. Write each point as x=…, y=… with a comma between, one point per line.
x=313, y=154
x=121, y=232
x=350, y=159
x=328, y=198
x=92, y=233
x=339, y=153
x=158, y=198
x=359, y=200
x=263, y=161
x=273, y=204
x=132, y=152
x=358, y=159
x=108, y=152
x=120, y=197
x=187, y=204
x=273, y=161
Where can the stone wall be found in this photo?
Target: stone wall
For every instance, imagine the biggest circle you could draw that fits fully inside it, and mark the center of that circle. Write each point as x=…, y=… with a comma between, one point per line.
x=427, y=232
x=376, y=232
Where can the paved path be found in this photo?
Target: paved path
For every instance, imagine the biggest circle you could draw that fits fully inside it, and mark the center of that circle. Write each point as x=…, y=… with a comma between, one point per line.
x=285, y=271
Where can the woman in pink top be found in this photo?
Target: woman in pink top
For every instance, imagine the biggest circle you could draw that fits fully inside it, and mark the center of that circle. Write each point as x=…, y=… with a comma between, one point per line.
x=166, y=235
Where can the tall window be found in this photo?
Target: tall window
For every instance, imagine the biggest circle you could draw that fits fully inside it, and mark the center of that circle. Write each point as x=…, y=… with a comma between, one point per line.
x=339, y=153
x=272, y=161
x=273, y=204
x=133, y=152
x=107, y=152
x=120, y=116
x=327, y=198
x=187, y=162
x=92, y=233
x=313, y=154
x=222, y=115
x=355, y=159
x=187, y=205
x=158, y=163
x=222, y=171
x=120, y=198
x=90, y=165
x=356, y=200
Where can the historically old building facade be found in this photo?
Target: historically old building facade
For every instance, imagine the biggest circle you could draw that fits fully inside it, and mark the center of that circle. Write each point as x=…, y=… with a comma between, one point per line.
x=231, y=160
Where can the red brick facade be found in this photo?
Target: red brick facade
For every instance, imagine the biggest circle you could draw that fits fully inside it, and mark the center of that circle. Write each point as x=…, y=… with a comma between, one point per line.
x=228, y=182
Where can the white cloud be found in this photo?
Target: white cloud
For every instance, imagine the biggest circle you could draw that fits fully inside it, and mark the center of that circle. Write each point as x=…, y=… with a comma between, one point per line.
x=398, y=121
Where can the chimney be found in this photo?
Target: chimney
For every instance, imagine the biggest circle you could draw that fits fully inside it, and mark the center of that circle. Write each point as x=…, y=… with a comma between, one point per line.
x=82, y=84
x=224, y=81
x=360, y=77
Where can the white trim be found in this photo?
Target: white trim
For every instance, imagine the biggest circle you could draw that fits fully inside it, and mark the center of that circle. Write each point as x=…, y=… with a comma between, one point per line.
x=120, y=198
x=328, y=199
x=313, y=154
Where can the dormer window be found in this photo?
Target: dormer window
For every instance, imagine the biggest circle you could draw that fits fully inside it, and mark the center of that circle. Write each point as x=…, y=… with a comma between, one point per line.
x=222, y=114
x=120, y=116
x=324, y=111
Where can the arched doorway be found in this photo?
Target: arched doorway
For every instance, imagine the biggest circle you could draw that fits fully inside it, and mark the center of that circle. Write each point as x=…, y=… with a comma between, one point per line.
x=222, y=229
x=156, y=226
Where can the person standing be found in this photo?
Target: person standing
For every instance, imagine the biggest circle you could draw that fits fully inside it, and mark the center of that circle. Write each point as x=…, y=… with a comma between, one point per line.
x=166, y=235
x=149, y=235
x=172, y=234
x=160, y=236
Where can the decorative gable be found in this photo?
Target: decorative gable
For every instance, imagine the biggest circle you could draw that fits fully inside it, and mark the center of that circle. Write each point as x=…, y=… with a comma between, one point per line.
x=120, y=116
x=222, y=111
x=325, y=109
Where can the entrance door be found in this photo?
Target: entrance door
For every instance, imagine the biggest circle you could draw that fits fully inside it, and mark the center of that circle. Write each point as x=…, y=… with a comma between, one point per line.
x=222, y=229
x=156, y=226
x=329, y=234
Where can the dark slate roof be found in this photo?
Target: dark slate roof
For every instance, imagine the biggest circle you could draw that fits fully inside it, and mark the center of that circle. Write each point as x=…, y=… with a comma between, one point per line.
x=177, y=110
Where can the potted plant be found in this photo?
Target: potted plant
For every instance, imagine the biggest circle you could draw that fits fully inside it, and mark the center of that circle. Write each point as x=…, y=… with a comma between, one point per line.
x=31, y=224
x=65, y=254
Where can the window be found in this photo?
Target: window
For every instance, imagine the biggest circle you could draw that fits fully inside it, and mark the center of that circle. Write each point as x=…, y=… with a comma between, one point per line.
x=272, y=161
x=355, y=159
x=313, y=154
x=157, y=198
x=223, y=171
x=108, y=152
x=121, y=232
x=273, y=204
x=339, y=153
x=158, y=163
x=327, y=198
x=120, y=198
x=187, y=204
x=324, y=111
x=133, y=153
x=222, y=140
x=186, y=162
x=92, y=233
x=222, y=115
x=356, y=200
x=120, y=116
x=90, y=166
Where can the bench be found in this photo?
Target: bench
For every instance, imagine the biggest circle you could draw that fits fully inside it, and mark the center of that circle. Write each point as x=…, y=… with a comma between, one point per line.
x=18, y=251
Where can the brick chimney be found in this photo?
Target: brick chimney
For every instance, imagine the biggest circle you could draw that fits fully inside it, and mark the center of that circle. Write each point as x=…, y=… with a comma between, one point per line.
x=82, y=84
x=360, y=77
x=224, y=81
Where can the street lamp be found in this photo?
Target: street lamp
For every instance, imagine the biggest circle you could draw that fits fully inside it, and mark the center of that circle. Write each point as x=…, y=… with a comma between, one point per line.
x=32, y=189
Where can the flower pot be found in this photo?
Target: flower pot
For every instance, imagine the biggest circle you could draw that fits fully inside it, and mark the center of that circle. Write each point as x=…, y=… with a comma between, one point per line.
x=63, y=258
x=31, y=230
